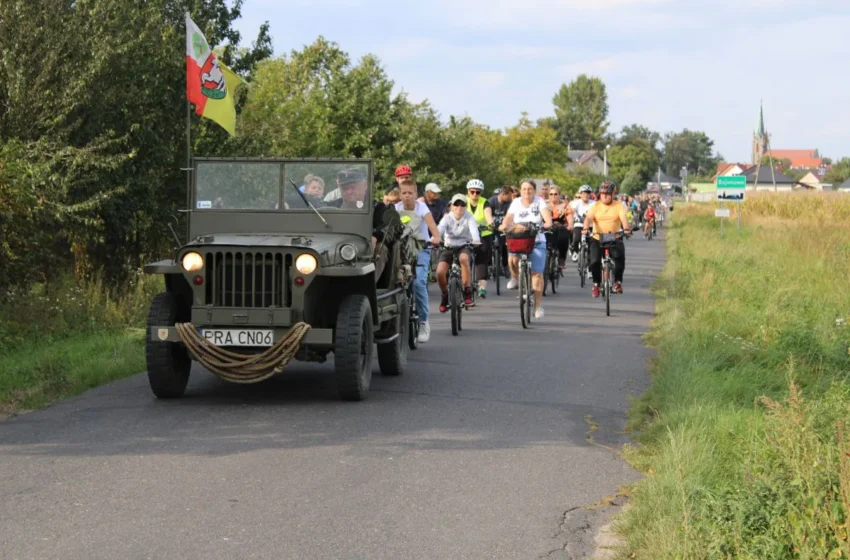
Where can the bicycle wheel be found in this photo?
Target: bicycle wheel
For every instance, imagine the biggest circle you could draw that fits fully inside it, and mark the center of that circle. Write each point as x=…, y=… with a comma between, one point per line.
x=523, y=293
x=413, y=331
x=546, y=272
x=532, y=302
x=582, y=267
x=454, y=303
x=554, y=273
x=497, y=268
x=606, y=286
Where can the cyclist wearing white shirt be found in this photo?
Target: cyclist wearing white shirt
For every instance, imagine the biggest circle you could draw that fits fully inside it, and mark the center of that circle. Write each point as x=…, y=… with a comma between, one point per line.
x=526, y=210
x=422, y=223
x=575, y=219
x=458, y=228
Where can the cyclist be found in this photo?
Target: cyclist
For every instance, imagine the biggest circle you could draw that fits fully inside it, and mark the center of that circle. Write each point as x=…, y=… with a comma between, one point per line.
x=579, y=209
x=422, y=223
x=458, y=228
x=480, y=208
x=606, y=216
x=499, y=204
x=649, y=219
x=529, y=209
x=560, y=215
x=436, y=205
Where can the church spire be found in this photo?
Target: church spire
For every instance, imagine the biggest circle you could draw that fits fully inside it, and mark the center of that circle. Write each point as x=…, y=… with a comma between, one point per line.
x=760, y=129
x=759, y=138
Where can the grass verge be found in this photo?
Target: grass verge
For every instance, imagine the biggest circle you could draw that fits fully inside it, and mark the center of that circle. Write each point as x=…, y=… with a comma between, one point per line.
x=62, y=338
x=743, y=428
x=36, y=374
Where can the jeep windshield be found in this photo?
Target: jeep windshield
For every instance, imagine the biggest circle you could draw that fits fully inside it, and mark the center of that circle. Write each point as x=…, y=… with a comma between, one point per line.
x=269, y=186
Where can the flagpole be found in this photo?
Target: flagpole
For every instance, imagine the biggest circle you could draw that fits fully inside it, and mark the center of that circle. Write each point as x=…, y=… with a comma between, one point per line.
x=188, y=148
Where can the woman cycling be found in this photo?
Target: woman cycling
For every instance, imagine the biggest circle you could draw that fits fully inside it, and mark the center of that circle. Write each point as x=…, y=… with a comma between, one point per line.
x=525, y=211
x=561, y=236
x=607, y=216
x=579, y=209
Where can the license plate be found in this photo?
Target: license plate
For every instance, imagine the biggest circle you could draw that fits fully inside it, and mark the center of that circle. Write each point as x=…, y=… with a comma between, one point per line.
x=239, y=337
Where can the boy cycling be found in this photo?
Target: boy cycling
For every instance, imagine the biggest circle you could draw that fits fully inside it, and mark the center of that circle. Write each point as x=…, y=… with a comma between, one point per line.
x=457, y=228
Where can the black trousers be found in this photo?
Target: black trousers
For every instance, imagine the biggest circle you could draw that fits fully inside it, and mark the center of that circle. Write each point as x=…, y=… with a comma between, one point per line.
x=618, y=253
x=576, y=239
x=482, y=257
x=561, y=238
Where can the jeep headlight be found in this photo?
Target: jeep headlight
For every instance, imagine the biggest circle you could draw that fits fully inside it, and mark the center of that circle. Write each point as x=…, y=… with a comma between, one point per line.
x=306, y=263
x=192, y=262
x=348, y=252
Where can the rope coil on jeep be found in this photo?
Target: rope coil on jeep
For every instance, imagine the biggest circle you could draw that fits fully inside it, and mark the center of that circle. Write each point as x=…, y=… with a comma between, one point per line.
x=242, y=368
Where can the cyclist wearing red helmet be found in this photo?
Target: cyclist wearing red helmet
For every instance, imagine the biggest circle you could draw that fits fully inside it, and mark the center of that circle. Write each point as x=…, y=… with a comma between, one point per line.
x=403, y=172
x=607, y=216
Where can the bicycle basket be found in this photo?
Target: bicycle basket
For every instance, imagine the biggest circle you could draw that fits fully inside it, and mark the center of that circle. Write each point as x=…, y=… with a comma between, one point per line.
x=520, y=244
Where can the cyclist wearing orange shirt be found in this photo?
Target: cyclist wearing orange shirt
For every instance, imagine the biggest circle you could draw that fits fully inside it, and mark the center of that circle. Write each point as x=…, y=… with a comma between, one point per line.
x=649, y=219
x=607, y=216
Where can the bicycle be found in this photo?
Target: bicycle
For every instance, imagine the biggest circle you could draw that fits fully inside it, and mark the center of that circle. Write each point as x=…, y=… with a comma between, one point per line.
x=650, y=231
x=497, y=267
x=552, y=271
x=523, y=245
x=455, y=282
x=583, y=260
x=606, y=241
x=415, y=322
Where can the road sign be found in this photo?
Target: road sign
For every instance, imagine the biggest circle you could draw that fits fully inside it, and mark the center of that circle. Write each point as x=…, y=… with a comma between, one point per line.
x=731, y=189
x=721, y=213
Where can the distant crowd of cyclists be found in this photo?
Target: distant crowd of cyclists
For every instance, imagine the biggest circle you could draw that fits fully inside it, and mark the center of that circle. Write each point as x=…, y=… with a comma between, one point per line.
x=464, y=227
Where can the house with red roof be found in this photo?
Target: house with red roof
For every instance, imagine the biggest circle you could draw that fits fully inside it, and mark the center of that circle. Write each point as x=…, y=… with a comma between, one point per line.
x=800, y=159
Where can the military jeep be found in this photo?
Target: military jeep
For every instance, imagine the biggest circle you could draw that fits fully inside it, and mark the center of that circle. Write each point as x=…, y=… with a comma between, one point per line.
x=267, y=253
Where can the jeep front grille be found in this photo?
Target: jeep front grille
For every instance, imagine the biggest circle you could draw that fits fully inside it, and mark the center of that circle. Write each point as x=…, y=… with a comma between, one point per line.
x=248, y=279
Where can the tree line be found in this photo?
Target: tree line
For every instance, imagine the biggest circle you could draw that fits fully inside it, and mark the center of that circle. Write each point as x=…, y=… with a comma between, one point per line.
x=93, y=113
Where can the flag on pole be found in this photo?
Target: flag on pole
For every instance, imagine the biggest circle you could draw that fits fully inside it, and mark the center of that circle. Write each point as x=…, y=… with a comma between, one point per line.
x=210, y=85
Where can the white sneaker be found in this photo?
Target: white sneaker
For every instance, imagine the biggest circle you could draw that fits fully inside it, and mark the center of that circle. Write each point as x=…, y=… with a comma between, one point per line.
x=512, y=284
x=538, y=313
x=424, y=332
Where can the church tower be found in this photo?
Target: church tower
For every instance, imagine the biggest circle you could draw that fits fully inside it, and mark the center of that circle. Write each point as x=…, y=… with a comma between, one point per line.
x=759, y=139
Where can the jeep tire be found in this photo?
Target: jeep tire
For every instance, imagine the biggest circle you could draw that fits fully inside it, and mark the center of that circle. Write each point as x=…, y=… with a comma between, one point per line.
x=168, y=363
x=392, y=356
x=353, y=347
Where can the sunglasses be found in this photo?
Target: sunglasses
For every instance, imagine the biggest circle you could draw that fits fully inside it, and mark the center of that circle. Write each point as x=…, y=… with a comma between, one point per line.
x=459, y=203
x=470, y=191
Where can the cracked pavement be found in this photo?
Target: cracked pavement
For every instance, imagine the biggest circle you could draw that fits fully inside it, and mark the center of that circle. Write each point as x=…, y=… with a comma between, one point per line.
x=489, y=447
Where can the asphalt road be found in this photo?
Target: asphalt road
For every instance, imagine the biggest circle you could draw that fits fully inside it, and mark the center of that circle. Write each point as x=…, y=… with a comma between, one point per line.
x=480, y=451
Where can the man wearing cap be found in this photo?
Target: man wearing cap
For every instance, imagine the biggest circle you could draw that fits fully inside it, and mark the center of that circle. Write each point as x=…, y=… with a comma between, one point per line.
x=436, y=205
x=422, y=223
x=459, y=228
x=353, y=187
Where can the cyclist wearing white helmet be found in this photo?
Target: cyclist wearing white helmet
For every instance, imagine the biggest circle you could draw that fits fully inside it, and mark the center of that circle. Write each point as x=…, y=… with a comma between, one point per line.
x=480, y=209
x=575, y=220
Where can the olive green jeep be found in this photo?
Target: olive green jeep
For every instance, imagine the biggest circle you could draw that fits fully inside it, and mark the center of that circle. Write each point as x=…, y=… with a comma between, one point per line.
x=274, y=257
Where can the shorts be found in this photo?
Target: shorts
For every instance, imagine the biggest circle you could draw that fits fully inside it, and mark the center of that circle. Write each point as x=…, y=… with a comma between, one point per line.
x=447, y=256
x=537, y=257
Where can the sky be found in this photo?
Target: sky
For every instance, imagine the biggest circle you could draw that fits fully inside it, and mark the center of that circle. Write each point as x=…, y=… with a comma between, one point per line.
x=667, y=64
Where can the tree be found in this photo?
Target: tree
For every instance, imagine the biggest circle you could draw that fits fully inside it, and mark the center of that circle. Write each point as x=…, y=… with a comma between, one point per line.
x=633, y=182
x=526, y=150
x=581, y=110
x=106, y=123
x=638, y=155
x=691, y=149
x=637, y=134
x=839, y=172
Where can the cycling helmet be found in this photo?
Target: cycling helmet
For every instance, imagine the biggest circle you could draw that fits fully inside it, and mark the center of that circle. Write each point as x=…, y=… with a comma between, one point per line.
x=475, y=184
x=608, y=187
x=403, y=170
x=585, y=188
